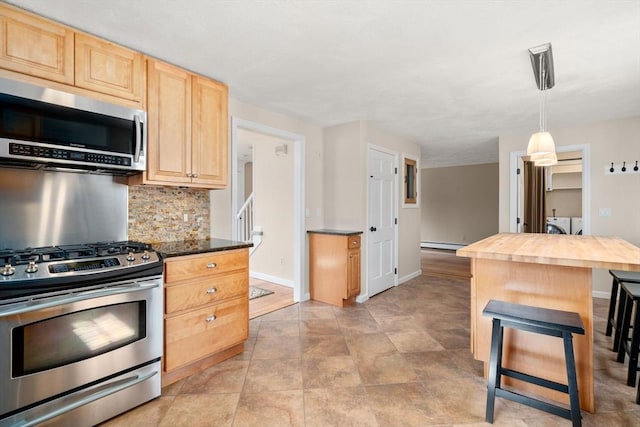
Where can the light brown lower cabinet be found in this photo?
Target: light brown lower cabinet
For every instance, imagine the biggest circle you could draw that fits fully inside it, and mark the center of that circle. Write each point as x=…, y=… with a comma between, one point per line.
x=206, y=311
x=334, y=266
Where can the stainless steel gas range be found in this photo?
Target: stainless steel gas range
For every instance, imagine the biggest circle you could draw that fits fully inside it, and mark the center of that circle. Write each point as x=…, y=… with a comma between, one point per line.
x=80, y=332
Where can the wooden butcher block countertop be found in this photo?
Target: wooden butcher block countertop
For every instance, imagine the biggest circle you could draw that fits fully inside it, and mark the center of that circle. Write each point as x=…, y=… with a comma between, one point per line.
x=557, y=249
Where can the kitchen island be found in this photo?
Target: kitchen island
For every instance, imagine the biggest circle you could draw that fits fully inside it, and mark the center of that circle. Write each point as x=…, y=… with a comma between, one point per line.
x=544, y=270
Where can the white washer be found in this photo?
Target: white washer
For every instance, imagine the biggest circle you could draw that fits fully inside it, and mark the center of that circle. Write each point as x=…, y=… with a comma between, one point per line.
x=576, y=225
x=558, y=225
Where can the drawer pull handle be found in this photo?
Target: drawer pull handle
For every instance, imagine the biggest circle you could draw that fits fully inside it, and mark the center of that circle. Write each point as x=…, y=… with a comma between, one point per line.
x=210, y=318
x=355, y=242
x=212, y=265
x=211, y=291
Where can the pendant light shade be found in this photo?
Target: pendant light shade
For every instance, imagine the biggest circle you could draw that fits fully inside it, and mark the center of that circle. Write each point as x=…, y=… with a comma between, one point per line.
x=548, y=159
x=541, y=143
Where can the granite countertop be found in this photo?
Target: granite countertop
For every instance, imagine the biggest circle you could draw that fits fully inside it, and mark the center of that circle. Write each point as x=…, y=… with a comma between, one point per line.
x=336, y=232
x=191, y=247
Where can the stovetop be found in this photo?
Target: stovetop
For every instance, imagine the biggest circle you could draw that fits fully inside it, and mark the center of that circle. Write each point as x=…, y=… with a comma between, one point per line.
x=16, y=257
x=44, y=269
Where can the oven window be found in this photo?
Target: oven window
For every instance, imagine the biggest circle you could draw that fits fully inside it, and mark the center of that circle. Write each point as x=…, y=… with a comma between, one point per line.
x=76, y=336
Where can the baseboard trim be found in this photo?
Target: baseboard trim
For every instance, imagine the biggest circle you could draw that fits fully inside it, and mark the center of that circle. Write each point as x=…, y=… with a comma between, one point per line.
x=437, y=245
x=408, y=277
x=273, y=279
x=601, y=294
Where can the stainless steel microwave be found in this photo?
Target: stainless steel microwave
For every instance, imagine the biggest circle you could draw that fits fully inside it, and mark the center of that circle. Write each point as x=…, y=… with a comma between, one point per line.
x=43, y=127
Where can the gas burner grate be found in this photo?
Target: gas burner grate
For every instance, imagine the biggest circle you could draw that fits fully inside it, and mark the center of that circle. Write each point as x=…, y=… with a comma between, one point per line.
x=78, y=251
x=123, y=247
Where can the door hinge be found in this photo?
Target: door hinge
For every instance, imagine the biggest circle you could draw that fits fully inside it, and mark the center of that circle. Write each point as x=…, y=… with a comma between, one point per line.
x=517, y=220
x=396, y=171
x=395, y=271
x=395, y=221
x=518, y=171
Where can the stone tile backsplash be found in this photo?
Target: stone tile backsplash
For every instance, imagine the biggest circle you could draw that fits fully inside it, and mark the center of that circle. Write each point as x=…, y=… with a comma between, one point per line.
x=156, y=214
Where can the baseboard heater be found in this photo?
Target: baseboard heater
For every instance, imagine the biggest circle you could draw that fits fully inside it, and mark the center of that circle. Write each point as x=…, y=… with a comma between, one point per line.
x=440, y=245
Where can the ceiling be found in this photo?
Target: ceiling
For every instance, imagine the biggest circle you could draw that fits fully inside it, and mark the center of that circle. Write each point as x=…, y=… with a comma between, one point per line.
x=450, y=75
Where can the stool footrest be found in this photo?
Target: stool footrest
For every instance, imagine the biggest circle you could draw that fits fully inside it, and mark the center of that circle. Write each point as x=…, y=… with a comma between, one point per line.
x=534, y=403
x=535, y=380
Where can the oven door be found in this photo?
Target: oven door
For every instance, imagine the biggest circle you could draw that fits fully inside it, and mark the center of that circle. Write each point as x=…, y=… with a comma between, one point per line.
x=61, y=343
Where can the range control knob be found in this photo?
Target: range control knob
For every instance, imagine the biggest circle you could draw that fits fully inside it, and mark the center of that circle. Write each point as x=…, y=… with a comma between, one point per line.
x=32, y=267
x=146, y=255
x=7, y=270
x=131, y=257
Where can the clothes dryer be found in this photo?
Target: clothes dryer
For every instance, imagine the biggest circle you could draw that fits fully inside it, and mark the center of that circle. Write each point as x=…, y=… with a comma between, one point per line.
x=576, y=225
x=558, y=225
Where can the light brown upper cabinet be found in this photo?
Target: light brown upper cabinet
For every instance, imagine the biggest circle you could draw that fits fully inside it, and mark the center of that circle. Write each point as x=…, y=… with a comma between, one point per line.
x=187, y=128
x=34, y=46
x=104, y=67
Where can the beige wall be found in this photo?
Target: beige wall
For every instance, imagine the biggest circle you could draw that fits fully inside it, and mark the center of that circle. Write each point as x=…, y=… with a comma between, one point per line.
x=344, y=163
x=273, y=207
x=221, y=199
x=459, y=203
x=408, y=217
x=609, y=141
x=345, y=185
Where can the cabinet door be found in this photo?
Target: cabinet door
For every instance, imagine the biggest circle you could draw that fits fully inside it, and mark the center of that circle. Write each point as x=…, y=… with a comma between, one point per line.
x=103, y=67
x=169, y=124
x=353, y=273
x=35, y=47
x=209, y=133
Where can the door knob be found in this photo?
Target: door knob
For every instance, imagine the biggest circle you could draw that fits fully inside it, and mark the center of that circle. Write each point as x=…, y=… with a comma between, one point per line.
x=372, y=228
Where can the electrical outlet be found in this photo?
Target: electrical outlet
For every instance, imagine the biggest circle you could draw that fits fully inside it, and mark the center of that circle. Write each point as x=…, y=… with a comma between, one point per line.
x=604, y=212
x=186, y=217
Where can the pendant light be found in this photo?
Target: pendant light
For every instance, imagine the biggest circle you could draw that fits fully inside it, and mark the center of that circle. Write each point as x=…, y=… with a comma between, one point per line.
x=541, y=147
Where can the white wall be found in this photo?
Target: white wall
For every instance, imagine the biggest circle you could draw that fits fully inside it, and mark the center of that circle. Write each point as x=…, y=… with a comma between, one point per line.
x=221, y=226
x=221, y=199
x=610, y=141
x=345, y=196
x=273, y=207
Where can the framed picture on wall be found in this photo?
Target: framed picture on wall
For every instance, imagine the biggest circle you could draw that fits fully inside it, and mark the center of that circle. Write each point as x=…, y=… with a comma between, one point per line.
x=410, y=176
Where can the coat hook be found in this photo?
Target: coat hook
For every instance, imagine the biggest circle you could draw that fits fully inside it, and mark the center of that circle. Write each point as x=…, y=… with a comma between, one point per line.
x=635, y=168
x=611, y=169
x=624, y=166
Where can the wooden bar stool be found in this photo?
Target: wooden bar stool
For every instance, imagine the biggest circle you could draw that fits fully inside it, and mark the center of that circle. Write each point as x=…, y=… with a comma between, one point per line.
x=562, y=324
x=613, y=321
x=630, y=295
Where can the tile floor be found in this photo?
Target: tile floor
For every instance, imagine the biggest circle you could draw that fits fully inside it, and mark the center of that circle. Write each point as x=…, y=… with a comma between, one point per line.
x=400, y=359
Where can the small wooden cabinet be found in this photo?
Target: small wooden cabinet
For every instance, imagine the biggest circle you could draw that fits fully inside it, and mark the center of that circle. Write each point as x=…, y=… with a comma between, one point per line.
x=107, y=68
x=187, y=126
x=206, y=316
x=334, y=266
x=35, y=46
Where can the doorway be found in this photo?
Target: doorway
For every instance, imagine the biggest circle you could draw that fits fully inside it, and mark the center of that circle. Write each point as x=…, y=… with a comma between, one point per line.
x=569, y=157
x=286, y=144
x=381, y=215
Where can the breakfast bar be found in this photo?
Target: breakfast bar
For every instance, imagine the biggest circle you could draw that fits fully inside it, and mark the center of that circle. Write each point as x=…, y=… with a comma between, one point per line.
x=544, y=270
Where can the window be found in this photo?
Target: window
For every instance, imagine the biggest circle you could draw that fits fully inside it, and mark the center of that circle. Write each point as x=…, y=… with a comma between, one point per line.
x=410, y=182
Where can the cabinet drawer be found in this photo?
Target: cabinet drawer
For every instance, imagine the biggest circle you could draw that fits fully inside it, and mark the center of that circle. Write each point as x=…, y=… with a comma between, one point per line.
x=192, y=336
x=192, y=266
x=205, y=291
x=354, y=242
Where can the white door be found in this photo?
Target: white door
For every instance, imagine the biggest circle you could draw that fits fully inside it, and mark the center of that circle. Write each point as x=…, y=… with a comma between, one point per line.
x=381, y=202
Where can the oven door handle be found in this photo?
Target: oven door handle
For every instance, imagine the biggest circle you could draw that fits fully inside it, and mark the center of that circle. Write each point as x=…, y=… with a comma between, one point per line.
x=121, y=385
x=35, y=305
